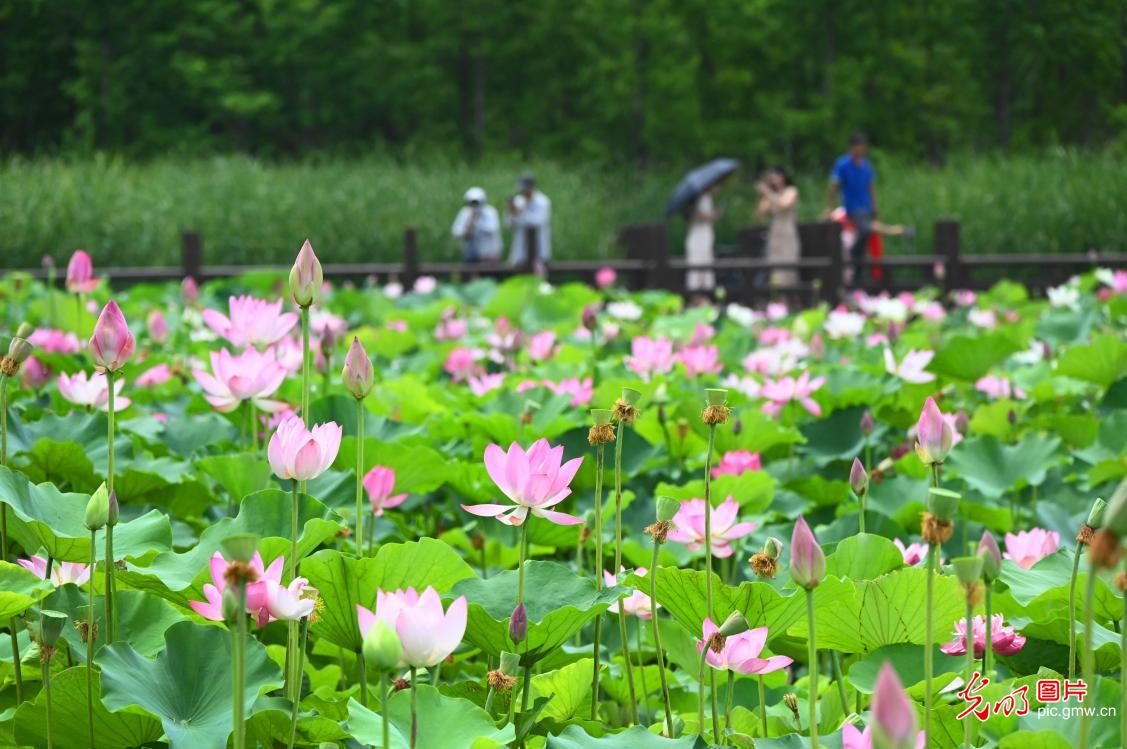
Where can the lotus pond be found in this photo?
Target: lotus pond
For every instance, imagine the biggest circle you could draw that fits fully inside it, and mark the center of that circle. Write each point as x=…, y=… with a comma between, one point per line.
x=271, y=512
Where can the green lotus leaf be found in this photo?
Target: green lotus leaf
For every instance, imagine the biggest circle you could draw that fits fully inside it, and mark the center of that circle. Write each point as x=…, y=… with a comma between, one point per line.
x=443, y=723
x=575, y=737
x=142, y=619
x=969, y=358
x=864, y=557
x=43, y=517
x=558, y=601
x=1103, y=361
x=188, y=686
x=994, y=468
x=345, y=582
x=116, y=730
x=19, y=589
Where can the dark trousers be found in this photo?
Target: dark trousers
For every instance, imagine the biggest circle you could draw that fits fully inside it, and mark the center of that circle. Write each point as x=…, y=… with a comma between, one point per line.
x=862, y=220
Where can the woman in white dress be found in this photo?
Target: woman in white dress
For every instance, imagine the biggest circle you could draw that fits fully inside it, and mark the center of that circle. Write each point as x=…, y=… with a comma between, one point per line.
x=699, y=241
x=778, y=198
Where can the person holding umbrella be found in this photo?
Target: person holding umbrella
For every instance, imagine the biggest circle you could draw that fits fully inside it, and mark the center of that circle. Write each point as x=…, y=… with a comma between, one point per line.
x=696, y=192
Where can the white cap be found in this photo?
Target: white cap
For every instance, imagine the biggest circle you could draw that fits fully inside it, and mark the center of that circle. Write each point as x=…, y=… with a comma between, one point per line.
x=475, y=194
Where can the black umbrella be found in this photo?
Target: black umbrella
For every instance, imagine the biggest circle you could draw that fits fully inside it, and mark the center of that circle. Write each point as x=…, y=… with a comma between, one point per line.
x=697, y=181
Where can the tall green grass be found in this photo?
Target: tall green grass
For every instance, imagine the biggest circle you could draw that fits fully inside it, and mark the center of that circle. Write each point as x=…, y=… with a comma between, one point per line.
x=355, y=209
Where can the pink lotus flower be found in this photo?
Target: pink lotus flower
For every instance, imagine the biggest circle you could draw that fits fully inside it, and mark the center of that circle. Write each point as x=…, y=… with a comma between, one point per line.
x=428, y=634
x=1004, y=641
x=983, y=318
x=637, y=603
x=425, y=284
x=688, y=526
x=778, y=359
x=998, y=388
x=380, y=483
x=934, y=434
x=776, y=310
x=699, y=360
x=257, y=592
x=533, y=480
x=80, y=273
x=894, y=724
x=930, y=311
x=913, y=553
x=157, y=326
x=300, y=454
x=786, y=389
x=773, y=336
x=154, y=376
x=740, y=652
x=480, y=385
x=851, y=738
x=253, y=322
x=581, y=391
x=965, y=297
x=54, y=341
x=326, y=326
x=289, y=602
x=189, y=290
x=287, y=352
x=542, y=346
x=112, y=344
x=702, y=334
x=450, y=328
x=61, y=572
x=912, y=367
x=35, y=374
x=1029, y=547
x=605, y=277
x=249, y=376
x=749, y=386
x=461, y=363
x=92, y=392
x=736, y=462
x=650, y=356
x=843, y=324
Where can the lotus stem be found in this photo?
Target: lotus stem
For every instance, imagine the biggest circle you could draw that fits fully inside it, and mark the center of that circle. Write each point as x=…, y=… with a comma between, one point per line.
x=291, y=573
x=1123, y=670
x=929, y=635
x=620, y=434
x=1089, y=654
x=812, y=653
x=657, y=642
x=359, y=477
x=298, y=669
x=728, y=701
x=988, y=612
x=110, y=593
x=240, y=677
x=700, y=690
x=17, y=666
x=763, y=706
x=362, y=676
x=1072, y=610
x=968, y=725
x=90, y=642
x=386, y=691
x=641, y=669
x=46, y=658
x=599, y=467
x=708, y=567
x=835, y=662
x=306, y=366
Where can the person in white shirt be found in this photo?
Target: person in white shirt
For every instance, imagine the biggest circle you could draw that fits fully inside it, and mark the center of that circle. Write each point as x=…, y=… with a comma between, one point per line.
x=529, y=208
x=478, y=226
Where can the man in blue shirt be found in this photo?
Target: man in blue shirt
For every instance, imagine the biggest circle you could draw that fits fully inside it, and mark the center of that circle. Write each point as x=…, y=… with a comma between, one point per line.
x=854, y=177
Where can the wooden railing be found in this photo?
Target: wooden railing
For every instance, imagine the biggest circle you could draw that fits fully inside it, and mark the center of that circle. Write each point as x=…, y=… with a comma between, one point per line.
x=646, y=262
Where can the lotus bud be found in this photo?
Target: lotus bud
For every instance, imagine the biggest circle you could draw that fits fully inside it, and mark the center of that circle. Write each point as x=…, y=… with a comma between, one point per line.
x=807, y=561
x=934, y=434
x=510, y=663
x=382, y=648
x=867, y=423
x=230, y=607
x=991, y=556
x=1096, y=514
x=157, y=326
x=590, y=317
x=735, y=624
x=518, y=624
x=968, y=570
x=189, y=290
x=98, y=509
x=858, y=479
x=112, y=510
x=1115, y=514
x=306, y=277
x=80, y=270
x=48, y=263
x=112, y=344
x=241, y=547
x=358, y=375
x=51, y=625
x=895, y=724
x=18, y=350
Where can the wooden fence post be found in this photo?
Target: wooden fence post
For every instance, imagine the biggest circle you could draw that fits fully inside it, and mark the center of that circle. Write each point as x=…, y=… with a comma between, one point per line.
x=947, y=246
x=830, y=233
x=410, y=258
x=191, y=255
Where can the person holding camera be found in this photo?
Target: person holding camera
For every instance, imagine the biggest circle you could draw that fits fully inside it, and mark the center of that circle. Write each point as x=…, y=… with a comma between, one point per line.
x=478, y=227
x=529, y=209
